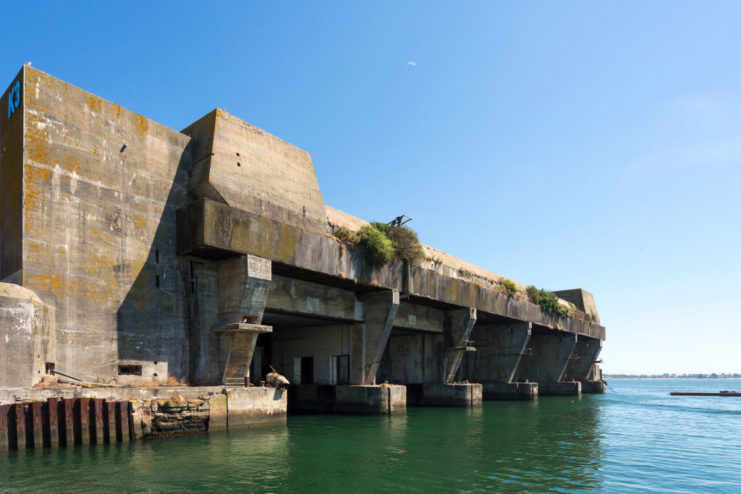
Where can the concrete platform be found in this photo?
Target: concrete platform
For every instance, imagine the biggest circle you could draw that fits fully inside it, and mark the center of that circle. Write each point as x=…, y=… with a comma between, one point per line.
x=559, y=388
x=510, y=391
x=361, y=399
x=453, y=395
x=371, y=399
x=592, y=387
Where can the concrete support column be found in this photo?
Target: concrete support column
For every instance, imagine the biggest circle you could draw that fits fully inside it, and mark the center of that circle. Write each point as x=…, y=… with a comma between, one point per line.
x=545, y=362
x=458, y=327
x=243, y=285
x=369, y=339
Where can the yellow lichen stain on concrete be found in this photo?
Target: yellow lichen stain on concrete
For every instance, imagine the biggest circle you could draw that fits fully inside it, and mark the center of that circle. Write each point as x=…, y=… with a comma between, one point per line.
x=139, y=222
x=141, y=124
x=93, y=102
x=36, y=148
x=118, y=111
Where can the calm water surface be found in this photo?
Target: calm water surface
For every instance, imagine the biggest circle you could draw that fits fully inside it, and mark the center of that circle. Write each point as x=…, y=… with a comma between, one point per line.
x=637, y=438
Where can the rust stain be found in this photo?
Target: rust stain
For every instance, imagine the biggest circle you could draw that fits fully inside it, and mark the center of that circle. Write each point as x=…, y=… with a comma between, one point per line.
x=94, y=103
x=142, y=125
x=118, y=111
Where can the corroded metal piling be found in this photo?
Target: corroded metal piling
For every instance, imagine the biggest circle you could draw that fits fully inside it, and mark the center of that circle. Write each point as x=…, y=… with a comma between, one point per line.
x=63, y=422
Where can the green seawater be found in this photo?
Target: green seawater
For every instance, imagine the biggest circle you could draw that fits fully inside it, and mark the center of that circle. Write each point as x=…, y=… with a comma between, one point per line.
x=636, y=438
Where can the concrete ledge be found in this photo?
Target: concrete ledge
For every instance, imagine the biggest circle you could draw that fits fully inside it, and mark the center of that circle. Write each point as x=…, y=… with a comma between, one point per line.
x=559, y=389
x=453, y=395
x=371, y=399
x=510, y=391
x=248, y=407
x=592, y=387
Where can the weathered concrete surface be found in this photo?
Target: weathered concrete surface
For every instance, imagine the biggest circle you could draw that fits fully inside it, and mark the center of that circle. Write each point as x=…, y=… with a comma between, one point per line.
x=499, y=350
x=27, y=335
x=592, y=387
x=559, y=388
x=244, y=282
x=455, y=395
x=419, y=318
x=510, y=391
x=583, y=301
x=236, y=347
x=546, y=358
x=581, y=363
x=369, y=399
x=249, y=407
x=308, y=299
x=249, y=169
x=211, y=229
x=370, y=338
x=414, y=359
x=457, y=338
x=101, y=188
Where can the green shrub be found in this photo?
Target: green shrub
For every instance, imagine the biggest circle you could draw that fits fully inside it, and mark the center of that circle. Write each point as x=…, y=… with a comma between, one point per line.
x=508, y=286
x=406, y=244
x=343, y=234
x=548, y=302
x=376, y=246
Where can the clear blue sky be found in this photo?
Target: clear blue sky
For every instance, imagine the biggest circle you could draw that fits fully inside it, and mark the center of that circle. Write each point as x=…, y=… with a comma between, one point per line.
x=561, y=144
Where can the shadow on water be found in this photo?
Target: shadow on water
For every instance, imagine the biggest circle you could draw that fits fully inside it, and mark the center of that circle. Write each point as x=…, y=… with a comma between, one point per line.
x=154, y=317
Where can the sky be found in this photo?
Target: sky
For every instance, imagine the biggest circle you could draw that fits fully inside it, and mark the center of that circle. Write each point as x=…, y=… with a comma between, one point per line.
x=561, y=144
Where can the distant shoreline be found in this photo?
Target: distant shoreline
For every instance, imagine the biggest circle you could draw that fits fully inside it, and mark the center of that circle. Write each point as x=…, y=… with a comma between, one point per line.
x=605, y=376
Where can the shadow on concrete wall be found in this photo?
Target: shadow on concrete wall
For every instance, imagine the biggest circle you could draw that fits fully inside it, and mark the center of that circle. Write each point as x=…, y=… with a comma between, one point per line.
x=154, y=319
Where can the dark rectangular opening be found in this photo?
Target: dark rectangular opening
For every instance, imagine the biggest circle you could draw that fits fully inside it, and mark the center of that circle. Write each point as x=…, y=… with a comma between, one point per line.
x=50, y=367
x=343, y=369
x=307, y=370
x=129, y=370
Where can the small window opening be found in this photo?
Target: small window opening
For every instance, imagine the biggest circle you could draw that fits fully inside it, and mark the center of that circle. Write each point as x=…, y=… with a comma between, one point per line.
x=50, y=367
x=130, y=370
x=157, y=256
x=157, y=281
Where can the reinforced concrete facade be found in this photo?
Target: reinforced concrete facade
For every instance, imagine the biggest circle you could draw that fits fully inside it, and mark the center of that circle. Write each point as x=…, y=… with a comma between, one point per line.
x=131, y=253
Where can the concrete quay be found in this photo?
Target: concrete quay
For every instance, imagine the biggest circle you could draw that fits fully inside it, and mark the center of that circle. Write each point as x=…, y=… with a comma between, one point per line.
x=143, y=257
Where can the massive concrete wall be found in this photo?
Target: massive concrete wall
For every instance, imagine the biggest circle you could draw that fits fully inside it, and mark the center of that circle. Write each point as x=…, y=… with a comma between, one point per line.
x=247, y=168
x=102, y=185
x=11, y=181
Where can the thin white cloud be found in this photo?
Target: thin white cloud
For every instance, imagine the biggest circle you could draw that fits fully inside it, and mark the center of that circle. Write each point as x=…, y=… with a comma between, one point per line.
x=412, y=63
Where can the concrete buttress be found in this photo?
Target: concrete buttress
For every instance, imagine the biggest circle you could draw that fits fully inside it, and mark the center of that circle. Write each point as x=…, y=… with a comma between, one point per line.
x=370, y=338
x=581, y=365
x=458, y=329
x=243, y=285
x=547, y=357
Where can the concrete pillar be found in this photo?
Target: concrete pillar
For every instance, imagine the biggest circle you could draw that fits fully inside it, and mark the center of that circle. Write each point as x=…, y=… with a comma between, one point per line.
x=243, y=285
x=369, y=339
x=545, y=362
x=459, y=324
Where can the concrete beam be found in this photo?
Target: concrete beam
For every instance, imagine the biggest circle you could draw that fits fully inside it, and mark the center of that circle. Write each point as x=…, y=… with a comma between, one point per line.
x=420, y=318
x=369, y=339
x=546, y=358
x=308, y=299
x=459, y=324
x=499, y=350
